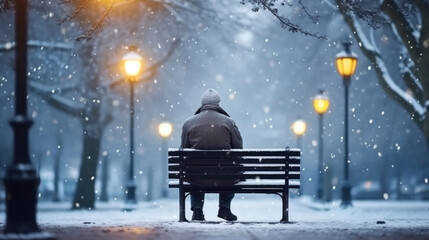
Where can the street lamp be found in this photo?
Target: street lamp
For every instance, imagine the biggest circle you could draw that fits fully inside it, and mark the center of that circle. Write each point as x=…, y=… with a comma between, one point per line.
x=299, y=127
x=321, y=105
x=21, y=180
x=346, y=62
x=133, y=66
x=165, y=129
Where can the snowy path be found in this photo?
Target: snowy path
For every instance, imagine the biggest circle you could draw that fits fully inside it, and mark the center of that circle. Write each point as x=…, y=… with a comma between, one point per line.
x=258, y=219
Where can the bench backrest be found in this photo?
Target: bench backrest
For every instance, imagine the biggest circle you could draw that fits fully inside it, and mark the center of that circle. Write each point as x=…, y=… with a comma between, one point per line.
x=249, y=164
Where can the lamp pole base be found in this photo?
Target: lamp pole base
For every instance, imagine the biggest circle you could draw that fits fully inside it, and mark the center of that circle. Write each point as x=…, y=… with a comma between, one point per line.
x=319, y=195
x=346, y=197
x=131, y=193
x=21, y=183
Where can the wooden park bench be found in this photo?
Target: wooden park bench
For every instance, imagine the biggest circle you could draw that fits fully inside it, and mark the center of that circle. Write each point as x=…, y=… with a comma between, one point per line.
x=270, y=171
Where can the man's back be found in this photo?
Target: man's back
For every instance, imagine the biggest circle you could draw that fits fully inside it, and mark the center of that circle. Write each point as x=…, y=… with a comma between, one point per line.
x=211, y=128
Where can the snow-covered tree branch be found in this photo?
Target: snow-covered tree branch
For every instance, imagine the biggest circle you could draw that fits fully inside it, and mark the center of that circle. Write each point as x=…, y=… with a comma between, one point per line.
x=403, y=27
x=57, y=101
x=38, y=44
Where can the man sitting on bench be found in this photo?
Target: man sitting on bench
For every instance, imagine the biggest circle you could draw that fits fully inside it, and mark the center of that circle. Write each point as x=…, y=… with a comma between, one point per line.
x=211, y=128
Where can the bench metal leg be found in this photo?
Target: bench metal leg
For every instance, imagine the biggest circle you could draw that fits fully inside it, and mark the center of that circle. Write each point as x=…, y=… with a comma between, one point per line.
x=182, y=198
x=285, y=212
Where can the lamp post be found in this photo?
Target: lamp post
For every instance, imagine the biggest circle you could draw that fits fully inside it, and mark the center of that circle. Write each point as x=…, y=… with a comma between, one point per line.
x=133, y=65
x=21, y=180
x=346, y=62
x=165, y=129
x=299, y=127
x=321, y=105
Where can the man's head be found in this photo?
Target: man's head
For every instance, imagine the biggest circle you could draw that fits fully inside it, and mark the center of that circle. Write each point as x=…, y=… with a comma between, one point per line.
x=210, y=96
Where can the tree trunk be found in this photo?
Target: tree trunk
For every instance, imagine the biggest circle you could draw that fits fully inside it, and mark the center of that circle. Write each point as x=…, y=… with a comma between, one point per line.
x=84, y=196
x=104, y=196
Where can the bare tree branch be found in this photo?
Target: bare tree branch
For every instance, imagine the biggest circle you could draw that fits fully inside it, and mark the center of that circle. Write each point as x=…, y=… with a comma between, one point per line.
x=75, y=12
x=176, y=42
x=55, y=100
x=286, y=23
x=97, y=25
x=423, y=5
x=370, y=16
x=7, y=5
x=314, y=18
x=38, y=44
x=405, y=31
x=152, y=70
x=407, y=69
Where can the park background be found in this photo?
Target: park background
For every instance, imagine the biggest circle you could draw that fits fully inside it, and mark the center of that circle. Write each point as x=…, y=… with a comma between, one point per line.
x=267, y=78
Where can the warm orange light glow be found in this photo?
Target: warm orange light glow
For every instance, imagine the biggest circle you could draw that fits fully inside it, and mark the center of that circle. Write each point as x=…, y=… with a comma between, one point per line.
x=299, y=127
x=346, y=64
x=165, y=129
x=321, y=103
x=133, y=65
x=367, y=184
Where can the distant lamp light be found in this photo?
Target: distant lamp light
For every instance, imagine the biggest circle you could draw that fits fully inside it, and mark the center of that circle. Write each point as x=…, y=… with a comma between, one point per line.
x=321, y=103
x=165, y=129
x=299, y=127
x=133, y=64
x=346, y=61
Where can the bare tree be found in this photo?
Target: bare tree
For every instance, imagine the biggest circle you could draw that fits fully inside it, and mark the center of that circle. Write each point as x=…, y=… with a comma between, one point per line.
x=409, y=24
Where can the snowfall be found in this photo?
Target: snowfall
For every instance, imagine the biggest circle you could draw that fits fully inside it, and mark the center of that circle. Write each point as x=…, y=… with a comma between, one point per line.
x=258, y=218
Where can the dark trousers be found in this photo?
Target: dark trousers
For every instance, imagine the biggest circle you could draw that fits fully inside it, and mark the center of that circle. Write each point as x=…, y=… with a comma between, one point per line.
x=197, y=200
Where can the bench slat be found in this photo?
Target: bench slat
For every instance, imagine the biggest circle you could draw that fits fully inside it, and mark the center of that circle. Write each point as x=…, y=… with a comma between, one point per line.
x=235, y=160
x=238, y=189
x=241, y=185
x=233, y=152
x=232, y=168
x=190, y=176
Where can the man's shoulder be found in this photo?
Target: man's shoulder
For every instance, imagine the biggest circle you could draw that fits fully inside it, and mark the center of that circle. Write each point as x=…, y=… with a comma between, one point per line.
x=189, y=120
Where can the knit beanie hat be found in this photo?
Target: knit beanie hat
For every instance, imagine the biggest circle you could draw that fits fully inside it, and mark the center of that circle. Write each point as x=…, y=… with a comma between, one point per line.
x=210, y=96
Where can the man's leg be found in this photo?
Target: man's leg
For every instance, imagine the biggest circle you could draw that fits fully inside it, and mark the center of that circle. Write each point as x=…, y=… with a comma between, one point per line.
x=197, y=200
x=197, y=203
x=225, y=207
x=225, y=199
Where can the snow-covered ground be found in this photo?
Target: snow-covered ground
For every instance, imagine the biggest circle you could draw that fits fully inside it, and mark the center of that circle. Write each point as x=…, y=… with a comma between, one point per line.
x=258, y=218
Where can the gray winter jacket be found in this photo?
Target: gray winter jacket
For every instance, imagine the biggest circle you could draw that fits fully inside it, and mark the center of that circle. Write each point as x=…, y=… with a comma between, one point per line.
x=211, y=128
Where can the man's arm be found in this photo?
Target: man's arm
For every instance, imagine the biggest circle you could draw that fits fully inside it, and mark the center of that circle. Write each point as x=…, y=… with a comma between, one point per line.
x=185, y=140
x=236, y=140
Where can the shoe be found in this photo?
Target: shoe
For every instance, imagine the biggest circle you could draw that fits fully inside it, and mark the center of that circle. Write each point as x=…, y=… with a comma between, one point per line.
x=198, y=215
x=226, y=214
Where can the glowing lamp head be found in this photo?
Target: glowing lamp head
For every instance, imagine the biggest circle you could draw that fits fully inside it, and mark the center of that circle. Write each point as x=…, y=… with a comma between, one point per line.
x=133, y=64
x=299, y=127
x=165, y=129
x=346, y=61
x=321, y=103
